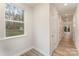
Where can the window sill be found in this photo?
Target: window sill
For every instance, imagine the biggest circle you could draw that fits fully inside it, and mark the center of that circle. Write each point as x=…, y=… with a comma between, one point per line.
x=12, y=37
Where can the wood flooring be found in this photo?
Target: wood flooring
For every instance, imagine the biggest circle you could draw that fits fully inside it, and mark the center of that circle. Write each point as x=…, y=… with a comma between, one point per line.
x=66, y=47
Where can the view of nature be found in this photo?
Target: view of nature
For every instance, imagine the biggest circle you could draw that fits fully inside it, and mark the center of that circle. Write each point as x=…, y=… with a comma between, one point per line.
x=13, y=28
x=14, y=20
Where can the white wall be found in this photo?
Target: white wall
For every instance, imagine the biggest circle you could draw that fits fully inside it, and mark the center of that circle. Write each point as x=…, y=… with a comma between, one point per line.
x=41, y=28
x=61, y=32
x=14, y=46
x=55, y=22
x=46, y=27
x=76, y=27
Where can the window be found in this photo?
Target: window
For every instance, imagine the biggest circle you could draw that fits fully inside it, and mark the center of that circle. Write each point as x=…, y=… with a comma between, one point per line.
x=14, y=20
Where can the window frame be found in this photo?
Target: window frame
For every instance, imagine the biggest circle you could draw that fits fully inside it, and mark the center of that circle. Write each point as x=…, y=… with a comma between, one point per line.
x=5, y=21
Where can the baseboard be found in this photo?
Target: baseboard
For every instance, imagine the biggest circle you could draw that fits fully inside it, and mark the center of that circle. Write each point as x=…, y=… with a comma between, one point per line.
x=22, y=52
x=39, y=50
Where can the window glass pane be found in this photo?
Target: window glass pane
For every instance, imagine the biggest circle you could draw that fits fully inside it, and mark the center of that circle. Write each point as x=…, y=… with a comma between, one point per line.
x=14, y=28
x=14, y=13
x=7, y=12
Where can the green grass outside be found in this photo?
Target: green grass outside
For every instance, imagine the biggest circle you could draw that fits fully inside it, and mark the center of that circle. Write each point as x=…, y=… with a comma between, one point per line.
x=13, y=33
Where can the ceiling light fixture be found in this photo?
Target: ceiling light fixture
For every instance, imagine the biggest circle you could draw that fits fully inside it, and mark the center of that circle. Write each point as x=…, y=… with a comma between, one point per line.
x=65, y=4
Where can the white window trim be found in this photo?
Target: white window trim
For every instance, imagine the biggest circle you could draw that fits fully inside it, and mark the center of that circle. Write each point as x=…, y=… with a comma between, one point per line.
x=15, y=35
x=13, y=21
x=12, y=37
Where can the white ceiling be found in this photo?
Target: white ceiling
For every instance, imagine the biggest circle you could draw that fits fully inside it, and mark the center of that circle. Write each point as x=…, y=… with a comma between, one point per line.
x=65, y=10
x=32, y=4
x=62, y=10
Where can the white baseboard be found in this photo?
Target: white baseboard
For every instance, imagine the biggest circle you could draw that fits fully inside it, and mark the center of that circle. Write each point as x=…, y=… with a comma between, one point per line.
x=22, y=52
x=39, y=50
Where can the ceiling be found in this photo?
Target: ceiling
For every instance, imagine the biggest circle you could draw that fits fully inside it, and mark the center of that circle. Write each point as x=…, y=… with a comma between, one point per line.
x=65, y=10
x=62, y=10
x=32, y=4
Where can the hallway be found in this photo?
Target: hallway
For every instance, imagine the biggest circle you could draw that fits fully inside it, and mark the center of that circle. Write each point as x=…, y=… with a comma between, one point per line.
x=37, y=29
x=66, y=47
x=63, y=36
